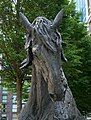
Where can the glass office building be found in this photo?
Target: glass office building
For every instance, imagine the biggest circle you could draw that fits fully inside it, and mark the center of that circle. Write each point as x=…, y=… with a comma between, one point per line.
x=81, y=7
x=84, y=6
x=89, y=15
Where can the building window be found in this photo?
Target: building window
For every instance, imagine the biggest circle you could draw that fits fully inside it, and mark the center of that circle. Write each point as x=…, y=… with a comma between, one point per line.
x=14, y=117
x=4, y=98
x=14, y=108
x=4, y=90
x=4, y=117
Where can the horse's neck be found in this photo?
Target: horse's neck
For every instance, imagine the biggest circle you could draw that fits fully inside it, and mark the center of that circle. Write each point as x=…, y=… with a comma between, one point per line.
x=39, y=94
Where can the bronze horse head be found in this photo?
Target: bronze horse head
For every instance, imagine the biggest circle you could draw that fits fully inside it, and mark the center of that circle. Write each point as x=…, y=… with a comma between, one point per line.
x=48, y=33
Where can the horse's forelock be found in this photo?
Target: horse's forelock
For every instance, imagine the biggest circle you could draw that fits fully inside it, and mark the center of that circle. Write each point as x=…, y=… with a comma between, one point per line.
x=42, y=26
x=45, y=32
x=42, y=20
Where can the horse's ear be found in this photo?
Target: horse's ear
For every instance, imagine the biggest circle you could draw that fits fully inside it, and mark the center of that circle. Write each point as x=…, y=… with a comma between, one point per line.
x=26, y=23
x=58, y=19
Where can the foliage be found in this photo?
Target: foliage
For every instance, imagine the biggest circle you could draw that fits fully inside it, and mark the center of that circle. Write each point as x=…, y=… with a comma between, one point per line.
x=77, y=69
x=83, y=84
x=11, y=47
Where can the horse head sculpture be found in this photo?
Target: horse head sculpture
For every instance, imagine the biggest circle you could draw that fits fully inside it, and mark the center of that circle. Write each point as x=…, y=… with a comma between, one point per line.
x=50, y=97
x=44, y=42
x=47, y=30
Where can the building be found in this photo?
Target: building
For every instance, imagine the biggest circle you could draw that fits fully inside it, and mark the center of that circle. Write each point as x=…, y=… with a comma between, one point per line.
x=81, y=7
x=88, y=15
x=8, y=106
x=84, y=6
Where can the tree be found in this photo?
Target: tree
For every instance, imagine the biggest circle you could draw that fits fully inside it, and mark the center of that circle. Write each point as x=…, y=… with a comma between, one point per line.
x=11, y=48
x=77, y=52
x=81, y=87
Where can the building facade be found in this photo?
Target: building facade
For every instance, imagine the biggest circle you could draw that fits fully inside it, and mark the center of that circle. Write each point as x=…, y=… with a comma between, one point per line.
x=8, y=104
x=84, y=6
x=81, y=7
x=8, y=107
x=88, y=15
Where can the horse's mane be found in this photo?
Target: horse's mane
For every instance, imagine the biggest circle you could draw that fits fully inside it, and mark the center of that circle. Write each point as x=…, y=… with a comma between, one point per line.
x=43, y=28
